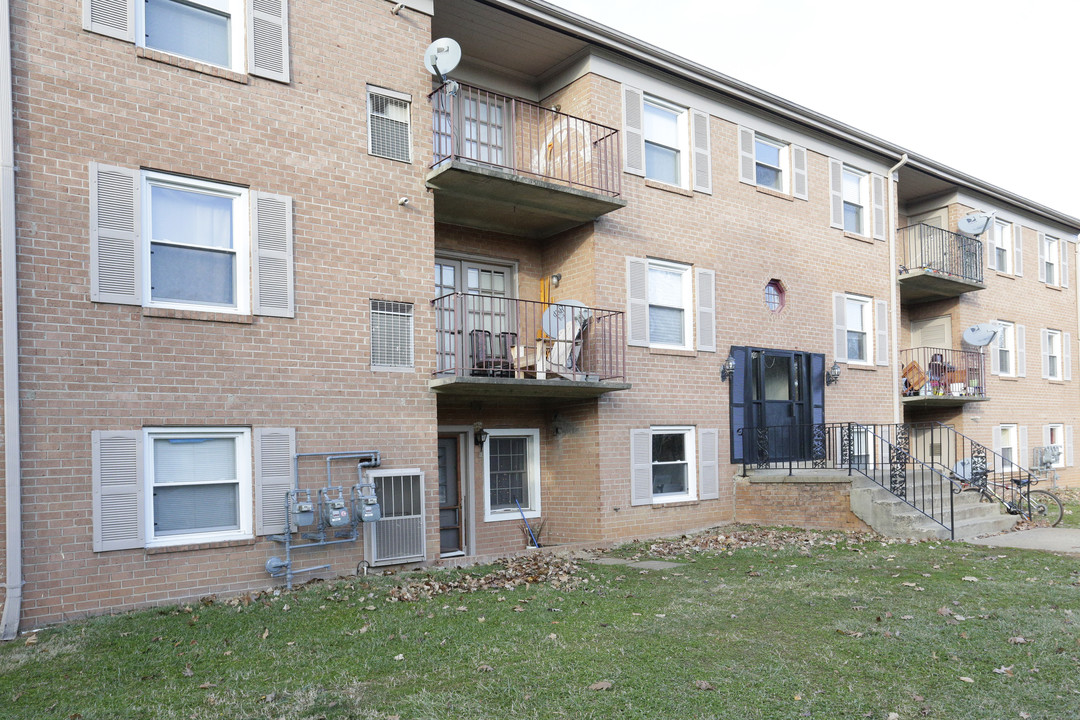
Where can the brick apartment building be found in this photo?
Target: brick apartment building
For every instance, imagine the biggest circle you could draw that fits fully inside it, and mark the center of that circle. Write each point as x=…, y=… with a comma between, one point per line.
x=226, y=228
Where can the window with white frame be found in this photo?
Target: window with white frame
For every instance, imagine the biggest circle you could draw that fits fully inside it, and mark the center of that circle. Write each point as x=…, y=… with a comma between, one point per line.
x=1008, y=444
x=673, y=466
x=1055, y=436
x=210, y=31
x=388, y=124
x=666, y=137
x=771, y=163
x=1051, y=251
x=198, y=244
x=511, y=474
x=391, y=335
x=198, y=485
x=1001, y=244
x=1052, y=350
x=859, y=336
x=670, y=297
x=856, y=195
x=1005, y=347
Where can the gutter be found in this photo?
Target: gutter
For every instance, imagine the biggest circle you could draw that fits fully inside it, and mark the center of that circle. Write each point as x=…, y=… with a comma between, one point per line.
x=9, y=622
x=894, y=292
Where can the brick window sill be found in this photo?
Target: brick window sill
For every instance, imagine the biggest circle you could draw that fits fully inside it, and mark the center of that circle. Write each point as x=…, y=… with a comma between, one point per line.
x=200, y=546
x=673, y=352
x=775, y=193
x=668, y=188
x=194, y=65
x=679, y=504
x=198, y=315
x=860, y=238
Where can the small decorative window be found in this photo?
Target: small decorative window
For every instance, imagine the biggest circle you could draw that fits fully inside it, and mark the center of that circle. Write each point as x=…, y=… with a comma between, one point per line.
x=388, y=124
x=775, y=295
x=391, y=335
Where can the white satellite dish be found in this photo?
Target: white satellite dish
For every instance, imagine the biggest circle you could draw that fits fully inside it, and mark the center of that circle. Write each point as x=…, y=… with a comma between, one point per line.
x=975, y=224
x=982, y=334
x=556, y=316
x=442, y=56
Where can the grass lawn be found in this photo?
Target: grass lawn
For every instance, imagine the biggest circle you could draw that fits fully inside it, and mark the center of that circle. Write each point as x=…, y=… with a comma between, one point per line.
x=751, y=624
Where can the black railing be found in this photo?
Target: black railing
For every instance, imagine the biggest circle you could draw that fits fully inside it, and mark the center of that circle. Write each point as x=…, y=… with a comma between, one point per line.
x=943, y=372
x=925, y=247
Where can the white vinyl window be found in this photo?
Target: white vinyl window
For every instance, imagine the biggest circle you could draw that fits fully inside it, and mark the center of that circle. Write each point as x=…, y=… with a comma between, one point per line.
x=1051, y=251
x=1052, y=348
x=1009, y=437
x=856, y=195
x=388, y=125
x=197, y=246
x=210, y=31
x=771, y=163
x=1005, y=347
x=666, y=137
x=1001, y=244
x=1055, y=436
x=511, y=474
x=673, y=466
x=859, y=325
x=198, y=485
x=670, y=297
x=391, y=335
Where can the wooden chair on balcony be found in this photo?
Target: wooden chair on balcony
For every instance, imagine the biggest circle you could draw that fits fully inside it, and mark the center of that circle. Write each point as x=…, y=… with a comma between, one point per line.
x=914, y=378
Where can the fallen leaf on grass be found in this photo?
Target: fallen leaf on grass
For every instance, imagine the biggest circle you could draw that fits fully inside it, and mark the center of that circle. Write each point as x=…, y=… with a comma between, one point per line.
x=399, y=657
x=553, y=636
x=894, y=716
x=970, y=578
x=207, y=686
x=485, y=668
x=265, y=633
x=966, y=679
x=188, y=672
x=1004, y=670
x=702, y=685
x=1017, y=640
x=32, y=640
x=602, y=685
x=850, y=633
x=944, y=612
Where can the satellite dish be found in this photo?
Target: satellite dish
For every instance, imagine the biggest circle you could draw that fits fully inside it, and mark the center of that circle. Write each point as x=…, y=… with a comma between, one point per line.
x=442, y=56
x=558, y=316
x=975, y=224
x=982, y=334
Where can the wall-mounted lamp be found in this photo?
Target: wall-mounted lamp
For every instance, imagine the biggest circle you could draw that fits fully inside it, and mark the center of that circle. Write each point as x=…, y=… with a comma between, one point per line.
x=403, y=201
x=727, y=369
x=480, y=435
x=398, y=8
x=832, y=376
x=556, y=279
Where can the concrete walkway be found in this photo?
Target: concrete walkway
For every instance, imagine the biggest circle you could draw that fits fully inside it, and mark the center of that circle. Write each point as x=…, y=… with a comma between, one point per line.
x=1058, y=540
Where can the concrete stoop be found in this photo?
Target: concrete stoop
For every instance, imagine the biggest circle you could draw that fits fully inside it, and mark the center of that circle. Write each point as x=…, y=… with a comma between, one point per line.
x=891, y=516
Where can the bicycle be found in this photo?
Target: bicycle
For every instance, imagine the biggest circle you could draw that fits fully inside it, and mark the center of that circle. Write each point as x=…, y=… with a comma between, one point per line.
x=1041, y=508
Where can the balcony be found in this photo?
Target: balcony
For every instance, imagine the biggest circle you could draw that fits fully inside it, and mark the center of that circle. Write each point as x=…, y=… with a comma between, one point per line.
x=940, y=377
x=490, y=346
x=514, y=167
x=936, y=264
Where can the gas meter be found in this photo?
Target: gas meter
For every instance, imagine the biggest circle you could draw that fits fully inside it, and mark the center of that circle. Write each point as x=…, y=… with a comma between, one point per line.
x=335, y=510
x=367, y=505
x=303, y=511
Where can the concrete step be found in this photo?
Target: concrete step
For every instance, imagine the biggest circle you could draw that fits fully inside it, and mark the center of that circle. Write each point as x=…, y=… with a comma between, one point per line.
x=891, y=516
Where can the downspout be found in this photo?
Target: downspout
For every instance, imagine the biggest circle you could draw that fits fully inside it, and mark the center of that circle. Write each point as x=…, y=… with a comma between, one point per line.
x=9, y=622
x=894, y=294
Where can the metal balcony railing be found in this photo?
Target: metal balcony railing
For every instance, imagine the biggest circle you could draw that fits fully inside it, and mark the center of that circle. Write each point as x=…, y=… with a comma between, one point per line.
x=925, y=247
x=942, y=372
x=486, y=335
x=481, y=127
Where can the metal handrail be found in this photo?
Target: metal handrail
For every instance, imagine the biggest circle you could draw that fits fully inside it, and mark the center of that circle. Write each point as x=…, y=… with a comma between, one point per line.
x=943, y=372
x=488, y=129
x=926, y=247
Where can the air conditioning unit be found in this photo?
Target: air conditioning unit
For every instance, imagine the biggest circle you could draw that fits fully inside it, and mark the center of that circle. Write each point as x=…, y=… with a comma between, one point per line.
x=399, y=536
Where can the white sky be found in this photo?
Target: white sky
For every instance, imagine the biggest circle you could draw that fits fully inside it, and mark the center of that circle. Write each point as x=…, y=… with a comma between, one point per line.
x=989, y=87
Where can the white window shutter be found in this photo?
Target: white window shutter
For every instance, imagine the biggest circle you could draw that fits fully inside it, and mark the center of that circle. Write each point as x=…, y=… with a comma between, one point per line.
x=1044, y=341
x=700, y=134
x=1069, y=445
x=115, y=18
x=1042, y=258
x=1021, y=351
x=637, y=301
x=1066, y=354
x=747, y=161
x=877, y=189
x=991, y=256
x=1023, y=459
x=641, y=467
x=882, y=328
x=268, y=39
x=1045, y=435
x=839, y=327
x=836, y=193
x=1064, y=274
x=633, y=130
x=274, y=450
x=1018, y=250
x=995, y=358
x=272, y=254
x=115, y=235
x=709, y=471
x=706, y=309
x=996, y=439
x=117, y=484
x=800, y=186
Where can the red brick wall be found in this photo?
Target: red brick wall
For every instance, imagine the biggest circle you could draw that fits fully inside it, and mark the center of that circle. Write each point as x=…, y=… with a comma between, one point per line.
x=796, y=502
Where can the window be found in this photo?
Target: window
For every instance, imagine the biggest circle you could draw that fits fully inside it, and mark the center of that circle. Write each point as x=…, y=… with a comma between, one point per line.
x=511, y=474
x=211, y=31
x=1001, y=244
x=199, y=485
x=665, y=129
x=391, y=335
x=771, y=163
x=1008, y=438
x=1052, y=354
x=775, y=295
x=1055, y=436
x=1005, y=347
x=198, y=244
x=388, y=124
x=1050, y=252
x=673, y=474
x=857, y=315
x=855, y=194
x=669, y=305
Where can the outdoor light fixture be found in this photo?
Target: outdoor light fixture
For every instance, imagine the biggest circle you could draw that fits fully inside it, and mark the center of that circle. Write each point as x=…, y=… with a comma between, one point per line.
x=728, y=368
x=833, y=375
x=556, y=279
x=480, y=435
